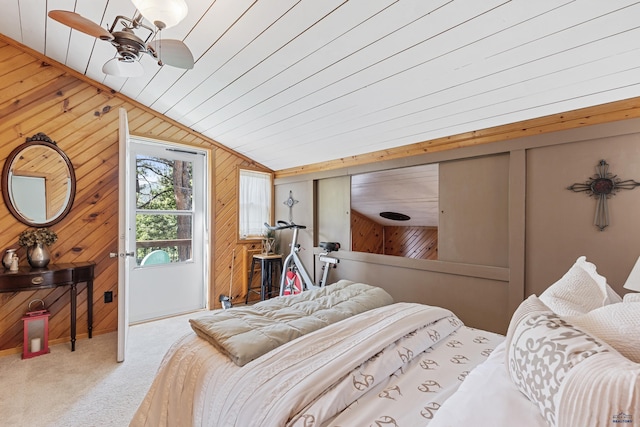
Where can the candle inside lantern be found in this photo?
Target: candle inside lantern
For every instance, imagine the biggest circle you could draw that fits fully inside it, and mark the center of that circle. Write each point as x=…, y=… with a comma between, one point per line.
x=35, y=345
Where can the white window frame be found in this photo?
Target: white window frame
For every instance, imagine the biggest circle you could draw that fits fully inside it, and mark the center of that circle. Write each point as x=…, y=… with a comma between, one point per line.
x=255, y=203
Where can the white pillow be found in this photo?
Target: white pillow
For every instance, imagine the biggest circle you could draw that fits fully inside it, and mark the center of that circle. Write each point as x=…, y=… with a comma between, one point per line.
x=579, y=291
x=616, y=324
x=632, y=297
x=613, y=295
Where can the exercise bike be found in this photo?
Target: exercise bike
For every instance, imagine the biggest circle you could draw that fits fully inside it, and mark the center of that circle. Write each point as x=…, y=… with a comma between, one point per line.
x=295, y=278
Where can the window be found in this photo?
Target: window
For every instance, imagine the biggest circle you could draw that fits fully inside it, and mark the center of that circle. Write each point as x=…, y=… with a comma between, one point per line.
x=164, y=210
x=254, y=203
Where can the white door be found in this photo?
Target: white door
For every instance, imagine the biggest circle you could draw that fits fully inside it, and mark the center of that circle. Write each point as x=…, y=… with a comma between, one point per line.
x=123, y=237
x=168, y=233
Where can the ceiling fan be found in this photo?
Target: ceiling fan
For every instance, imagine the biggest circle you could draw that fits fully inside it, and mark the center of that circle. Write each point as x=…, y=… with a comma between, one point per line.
x=129, y=46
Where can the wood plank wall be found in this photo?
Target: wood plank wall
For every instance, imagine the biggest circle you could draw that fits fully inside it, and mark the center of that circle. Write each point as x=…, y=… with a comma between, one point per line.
x=39, y=95
x=409, y=242
x=366, y=235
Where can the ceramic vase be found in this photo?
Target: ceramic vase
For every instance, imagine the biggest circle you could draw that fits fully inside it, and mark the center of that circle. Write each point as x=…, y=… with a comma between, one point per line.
x=8, y=258
x=38, y=255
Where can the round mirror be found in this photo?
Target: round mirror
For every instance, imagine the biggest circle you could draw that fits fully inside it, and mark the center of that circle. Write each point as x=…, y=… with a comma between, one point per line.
x=38, y=182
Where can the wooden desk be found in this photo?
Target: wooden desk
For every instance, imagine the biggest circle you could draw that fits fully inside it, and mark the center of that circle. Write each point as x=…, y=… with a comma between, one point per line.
x=30, y=279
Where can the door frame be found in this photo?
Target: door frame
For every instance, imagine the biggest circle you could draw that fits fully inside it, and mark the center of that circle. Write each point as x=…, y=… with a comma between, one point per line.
x=123, y=243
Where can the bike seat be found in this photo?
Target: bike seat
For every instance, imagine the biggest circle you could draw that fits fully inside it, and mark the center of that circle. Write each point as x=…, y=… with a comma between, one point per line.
x=330, y=246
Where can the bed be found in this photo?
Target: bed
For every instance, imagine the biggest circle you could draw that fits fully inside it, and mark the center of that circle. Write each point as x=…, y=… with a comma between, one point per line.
x=347, y=355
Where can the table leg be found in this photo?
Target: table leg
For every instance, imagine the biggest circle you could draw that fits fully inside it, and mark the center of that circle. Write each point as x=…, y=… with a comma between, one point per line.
x=275, y=278
x=269, y=267
x=263, y=279
x=74, y=301
x=90, y=308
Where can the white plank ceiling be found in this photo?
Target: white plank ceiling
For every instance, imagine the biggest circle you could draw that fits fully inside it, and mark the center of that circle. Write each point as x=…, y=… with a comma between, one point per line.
x=297, y=82
x=411, y=191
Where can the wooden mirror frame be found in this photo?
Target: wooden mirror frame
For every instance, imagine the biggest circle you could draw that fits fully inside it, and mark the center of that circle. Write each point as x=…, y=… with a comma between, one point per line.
x=40, y=139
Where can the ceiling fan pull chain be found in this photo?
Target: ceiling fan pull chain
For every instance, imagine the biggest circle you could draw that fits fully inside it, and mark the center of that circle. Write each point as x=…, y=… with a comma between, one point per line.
x=160, y=47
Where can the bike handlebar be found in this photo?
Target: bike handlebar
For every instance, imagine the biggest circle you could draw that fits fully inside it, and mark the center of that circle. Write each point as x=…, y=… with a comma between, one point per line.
x=282, y=225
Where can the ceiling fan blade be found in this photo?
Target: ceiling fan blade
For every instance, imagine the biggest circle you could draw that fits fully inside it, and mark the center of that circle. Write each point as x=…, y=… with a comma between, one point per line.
x=78, y=22
x=118, y=68
x=173, y=52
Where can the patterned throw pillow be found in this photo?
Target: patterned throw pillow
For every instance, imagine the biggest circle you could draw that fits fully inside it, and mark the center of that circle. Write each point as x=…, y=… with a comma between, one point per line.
x=528, y=307
x=541, y=349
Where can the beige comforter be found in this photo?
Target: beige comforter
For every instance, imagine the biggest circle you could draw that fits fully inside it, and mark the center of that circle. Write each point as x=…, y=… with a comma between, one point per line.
x=394, y=364
x=310, y=380
x=246, y=333
x=193, y=370
x=327, y=373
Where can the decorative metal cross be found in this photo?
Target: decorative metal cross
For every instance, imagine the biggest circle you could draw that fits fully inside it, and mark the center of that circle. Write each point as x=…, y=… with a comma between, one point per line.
x=290, y=202
x=602, y=186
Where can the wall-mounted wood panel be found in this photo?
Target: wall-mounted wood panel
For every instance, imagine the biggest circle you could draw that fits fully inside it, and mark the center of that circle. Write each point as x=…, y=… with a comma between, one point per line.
x=37, y=95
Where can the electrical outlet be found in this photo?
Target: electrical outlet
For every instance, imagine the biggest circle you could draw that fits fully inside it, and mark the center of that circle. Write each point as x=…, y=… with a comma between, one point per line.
x=108, y=297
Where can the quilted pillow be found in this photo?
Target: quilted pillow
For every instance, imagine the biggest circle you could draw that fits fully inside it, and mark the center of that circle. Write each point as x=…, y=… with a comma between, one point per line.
x=541, y=349
x=616, y=324
x=579, y=291
x=632, y=297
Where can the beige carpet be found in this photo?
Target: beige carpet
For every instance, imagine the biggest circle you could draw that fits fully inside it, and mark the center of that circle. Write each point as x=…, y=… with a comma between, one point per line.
x=87, y=387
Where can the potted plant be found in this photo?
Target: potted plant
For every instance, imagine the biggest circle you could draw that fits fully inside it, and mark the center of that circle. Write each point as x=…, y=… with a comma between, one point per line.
x=36, y=241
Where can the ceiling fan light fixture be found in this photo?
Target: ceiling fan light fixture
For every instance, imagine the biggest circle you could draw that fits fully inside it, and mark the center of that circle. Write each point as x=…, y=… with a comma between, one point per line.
x=118, y=67
x=162, y=13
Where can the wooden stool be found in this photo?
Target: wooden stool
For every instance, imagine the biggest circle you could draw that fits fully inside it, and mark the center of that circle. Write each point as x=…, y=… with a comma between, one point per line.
x=268, y=264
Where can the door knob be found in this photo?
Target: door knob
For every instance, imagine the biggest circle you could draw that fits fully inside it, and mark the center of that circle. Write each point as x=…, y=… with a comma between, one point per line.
x=115, y=255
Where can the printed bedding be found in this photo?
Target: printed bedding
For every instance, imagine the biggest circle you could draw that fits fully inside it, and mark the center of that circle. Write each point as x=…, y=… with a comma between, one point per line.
x=570, y=358
x=385, y=359
x=311, y=380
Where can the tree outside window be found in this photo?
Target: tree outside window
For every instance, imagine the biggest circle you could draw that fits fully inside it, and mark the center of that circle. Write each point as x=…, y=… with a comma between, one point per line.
x=164, y=207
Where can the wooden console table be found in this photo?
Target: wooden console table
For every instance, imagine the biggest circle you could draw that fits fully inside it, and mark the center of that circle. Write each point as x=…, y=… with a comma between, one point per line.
x=30, y=279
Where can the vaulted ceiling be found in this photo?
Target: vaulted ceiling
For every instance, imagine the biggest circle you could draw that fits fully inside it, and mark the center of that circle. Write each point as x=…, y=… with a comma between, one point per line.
x=298, y=82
